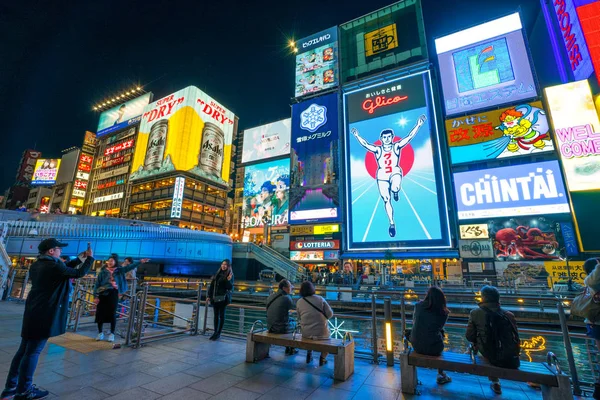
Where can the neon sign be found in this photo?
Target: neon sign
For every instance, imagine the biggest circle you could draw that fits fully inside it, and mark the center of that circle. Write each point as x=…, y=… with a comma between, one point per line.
x=536, y=343
x=381, y=101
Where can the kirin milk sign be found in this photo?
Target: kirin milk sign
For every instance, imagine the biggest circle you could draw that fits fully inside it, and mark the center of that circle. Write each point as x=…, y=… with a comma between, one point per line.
x=528, y=189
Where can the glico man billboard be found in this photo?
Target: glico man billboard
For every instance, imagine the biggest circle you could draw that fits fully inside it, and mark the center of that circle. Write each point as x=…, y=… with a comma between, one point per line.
x=485, y=66
x=266, y=194
x=528, y=189
x=317, y=62
x=185, y=131
x=123, y=115
x=314, y=187
x=395, y=194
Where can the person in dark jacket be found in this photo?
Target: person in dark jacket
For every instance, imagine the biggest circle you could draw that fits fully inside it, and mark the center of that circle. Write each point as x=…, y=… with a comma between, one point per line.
x=219, y=295
x=427, y=334
x=46, y=311
x=476, y=332
x=110, y=283
x=279, y=305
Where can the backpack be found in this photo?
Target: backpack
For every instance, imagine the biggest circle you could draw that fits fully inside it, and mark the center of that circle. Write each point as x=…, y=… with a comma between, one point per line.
x=502, y=346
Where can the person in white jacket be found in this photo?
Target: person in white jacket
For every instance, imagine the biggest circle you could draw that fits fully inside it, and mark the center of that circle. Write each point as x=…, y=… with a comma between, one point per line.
x=314, y=313
x=592, y=268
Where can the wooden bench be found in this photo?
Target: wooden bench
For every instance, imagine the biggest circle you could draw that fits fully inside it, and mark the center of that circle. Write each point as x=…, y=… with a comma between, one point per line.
x=555, y=384
x=259, y=342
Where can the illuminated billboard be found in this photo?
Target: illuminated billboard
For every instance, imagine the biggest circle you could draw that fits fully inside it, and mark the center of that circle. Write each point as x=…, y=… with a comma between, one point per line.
x=387, y=38
x=528, y=189
x=267, y=141
x=317, y=62
x=589, y=17
x=45, y=171
x=185, y=131
x=266, y=194
x=27, y=167
x=315, y=170
x=577, y=130
x=123, y=115
x=395, y=194
x=485, y=66
x=507, y=132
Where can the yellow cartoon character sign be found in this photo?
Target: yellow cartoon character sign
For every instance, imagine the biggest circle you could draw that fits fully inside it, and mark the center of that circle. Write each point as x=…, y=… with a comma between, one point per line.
x=520, y=125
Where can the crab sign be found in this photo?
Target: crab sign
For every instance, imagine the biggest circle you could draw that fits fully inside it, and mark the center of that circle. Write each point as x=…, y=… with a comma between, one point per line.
x=518, y=242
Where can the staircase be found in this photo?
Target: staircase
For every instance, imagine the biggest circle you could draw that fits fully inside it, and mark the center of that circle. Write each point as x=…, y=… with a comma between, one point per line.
x=272, y=259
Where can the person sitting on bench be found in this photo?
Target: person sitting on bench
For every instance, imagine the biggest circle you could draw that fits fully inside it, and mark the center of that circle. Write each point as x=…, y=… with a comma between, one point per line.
x=427, y=334
x=279, y=305
x=314, y=313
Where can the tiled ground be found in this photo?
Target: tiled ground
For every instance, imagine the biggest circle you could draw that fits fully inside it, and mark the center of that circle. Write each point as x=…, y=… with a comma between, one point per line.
x=195, y=368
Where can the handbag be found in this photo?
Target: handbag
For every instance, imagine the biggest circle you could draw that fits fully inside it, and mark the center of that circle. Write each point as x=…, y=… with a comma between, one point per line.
x=587, y=305
x=316, y=308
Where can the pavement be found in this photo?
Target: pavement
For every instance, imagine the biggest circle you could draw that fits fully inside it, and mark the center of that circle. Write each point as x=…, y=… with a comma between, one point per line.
x=192, y=367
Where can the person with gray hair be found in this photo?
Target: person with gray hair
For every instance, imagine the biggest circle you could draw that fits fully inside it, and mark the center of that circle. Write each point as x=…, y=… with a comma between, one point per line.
x=279, y=305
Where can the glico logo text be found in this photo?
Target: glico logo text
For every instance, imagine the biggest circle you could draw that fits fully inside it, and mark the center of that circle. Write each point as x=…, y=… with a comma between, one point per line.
x=370, y=105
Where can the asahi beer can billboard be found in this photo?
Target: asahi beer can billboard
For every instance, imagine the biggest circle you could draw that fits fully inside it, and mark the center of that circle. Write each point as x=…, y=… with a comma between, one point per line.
x=185, y=131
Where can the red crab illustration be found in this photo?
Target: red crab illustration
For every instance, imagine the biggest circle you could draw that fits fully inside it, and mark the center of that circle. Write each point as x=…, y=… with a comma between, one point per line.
x=518, y=242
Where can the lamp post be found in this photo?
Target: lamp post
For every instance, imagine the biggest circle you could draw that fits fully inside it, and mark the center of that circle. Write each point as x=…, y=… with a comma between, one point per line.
x=389, y=338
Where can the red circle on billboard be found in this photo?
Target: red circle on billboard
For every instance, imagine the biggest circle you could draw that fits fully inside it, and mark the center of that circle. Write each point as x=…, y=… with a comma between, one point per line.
x=407, y=159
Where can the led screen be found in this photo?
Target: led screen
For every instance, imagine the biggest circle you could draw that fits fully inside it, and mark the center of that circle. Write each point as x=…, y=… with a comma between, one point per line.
x=317, y=62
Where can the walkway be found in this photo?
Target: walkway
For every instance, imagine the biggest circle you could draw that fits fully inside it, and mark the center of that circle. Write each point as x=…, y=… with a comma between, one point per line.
x=195, y=368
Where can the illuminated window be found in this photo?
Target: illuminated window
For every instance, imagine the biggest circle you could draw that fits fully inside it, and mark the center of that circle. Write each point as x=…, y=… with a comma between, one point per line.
x=140, y=207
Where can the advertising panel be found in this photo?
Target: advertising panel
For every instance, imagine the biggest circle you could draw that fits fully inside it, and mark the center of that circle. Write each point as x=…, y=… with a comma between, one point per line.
x=45, y=171
x=485, y=66
x=177, y=197
x=308, y=256
x=535, y=238
x=119, y=147
x=315, y=244
x=508, y=132
x=266, y=192
x=475, y=249
x=185, y=131
x=111, y=162
x=474, y=231
x=391, y=36
x=114, y=196
x=27, y=167
x=528, y=189
x=589, y=17
x=123, y=115
x=108, y=184
x=577, y=130
x=317, y=62
x=395, y=194
x=89, y=142
x=267, y=141
x=559, y=273
x=315, y=170
x=114, y=172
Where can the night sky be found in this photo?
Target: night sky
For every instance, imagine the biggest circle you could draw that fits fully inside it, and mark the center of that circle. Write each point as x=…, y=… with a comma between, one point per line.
x=58, y=58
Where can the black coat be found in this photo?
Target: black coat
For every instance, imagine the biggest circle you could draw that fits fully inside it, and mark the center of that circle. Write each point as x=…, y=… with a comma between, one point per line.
x=427, y=335
x=47, y=305
x=220, y=286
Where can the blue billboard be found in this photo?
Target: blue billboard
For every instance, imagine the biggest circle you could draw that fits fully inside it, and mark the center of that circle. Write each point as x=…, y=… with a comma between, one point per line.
x=395, y=193
x=123, y=115
x=314, y=180
x=529, y=189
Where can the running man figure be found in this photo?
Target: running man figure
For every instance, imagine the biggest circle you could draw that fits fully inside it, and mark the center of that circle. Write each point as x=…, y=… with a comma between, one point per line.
x=389, y=173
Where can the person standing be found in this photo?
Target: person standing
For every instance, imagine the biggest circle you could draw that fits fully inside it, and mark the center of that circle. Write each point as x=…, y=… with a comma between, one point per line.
x=46, y=311
x=131, y=275
x=110, y=283
x=279, y=305
x=591, y=267
x=219, y=295
x=314, y=313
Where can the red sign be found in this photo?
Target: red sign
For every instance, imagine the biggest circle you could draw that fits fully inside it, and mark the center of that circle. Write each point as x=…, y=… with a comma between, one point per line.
x=371, y=105
x=316, y=245
x=163, y=108
x=84, y=167
x=84, y=158
x=589, y=18
x=119, y=147
x=27, y=165
x=110, y=184
x=79, y=184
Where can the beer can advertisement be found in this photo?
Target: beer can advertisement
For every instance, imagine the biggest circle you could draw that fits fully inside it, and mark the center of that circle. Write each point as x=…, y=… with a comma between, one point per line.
x=45, y=172
x=122, y=115
x=267, y=141
x=527, y=189
x=315, y=169
x=508, y=132
x=577, y=130
x=317, y=62
x=485, y=66
x=395, y=192
x=185, y=131
x=266, y=194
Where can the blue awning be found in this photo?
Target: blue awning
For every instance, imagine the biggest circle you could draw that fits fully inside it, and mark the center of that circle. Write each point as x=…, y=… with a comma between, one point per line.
x=402, y=254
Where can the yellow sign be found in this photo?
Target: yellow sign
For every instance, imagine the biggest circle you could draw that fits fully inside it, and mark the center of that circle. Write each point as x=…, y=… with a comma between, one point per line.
x=381, y=40
x=325, y=229
x=558, y=272
x=301, y=230
x=474, y=231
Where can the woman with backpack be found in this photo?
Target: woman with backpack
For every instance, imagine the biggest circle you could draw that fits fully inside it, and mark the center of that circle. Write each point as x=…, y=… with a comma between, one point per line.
x=219, y=295
x=314, y=313
x=427, y=334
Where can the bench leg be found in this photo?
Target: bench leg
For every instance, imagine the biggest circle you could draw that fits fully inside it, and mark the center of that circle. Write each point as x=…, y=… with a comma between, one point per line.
x=343, y=365
x=562, y=392
x=408, y=375
x=255, y=351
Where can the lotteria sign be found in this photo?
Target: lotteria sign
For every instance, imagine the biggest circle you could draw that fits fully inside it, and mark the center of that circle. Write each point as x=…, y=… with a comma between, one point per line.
x=530, y=189
x=316, y=245
x=577, y=131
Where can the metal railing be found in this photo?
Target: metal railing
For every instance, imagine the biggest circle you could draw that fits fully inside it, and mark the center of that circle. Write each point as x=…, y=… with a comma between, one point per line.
x=272, y=259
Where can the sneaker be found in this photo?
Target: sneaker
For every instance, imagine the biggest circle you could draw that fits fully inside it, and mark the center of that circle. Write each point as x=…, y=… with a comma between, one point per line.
x=309, y=356
x=392, y=230
x=100, y=336
x=32, y=394
x=442, y=379
x=322, y=361
x=496, y=388
x=111, y=337
x=395, y=196
x=8, y=394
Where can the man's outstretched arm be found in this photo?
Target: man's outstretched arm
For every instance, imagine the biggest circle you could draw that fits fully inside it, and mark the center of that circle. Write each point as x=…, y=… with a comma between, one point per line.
x=412, y=133
x=363, y=142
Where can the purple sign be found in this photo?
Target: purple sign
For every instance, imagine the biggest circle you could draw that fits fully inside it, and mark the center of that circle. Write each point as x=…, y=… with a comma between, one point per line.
x=485, y=66
x=529, y=189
